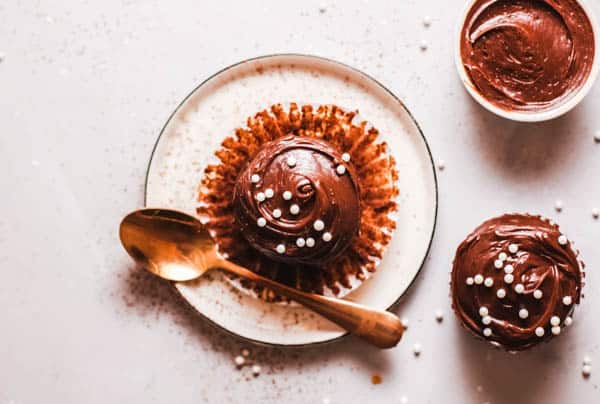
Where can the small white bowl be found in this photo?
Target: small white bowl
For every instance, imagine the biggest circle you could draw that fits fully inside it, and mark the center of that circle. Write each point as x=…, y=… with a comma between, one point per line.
x=520, y=116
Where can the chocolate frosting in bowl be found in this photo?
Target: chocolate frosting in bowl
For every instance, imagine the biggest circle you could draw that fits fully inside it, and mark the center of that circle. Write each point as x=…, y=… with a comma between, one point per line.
x=527, y=55
x=515, y=281
x=298, y=201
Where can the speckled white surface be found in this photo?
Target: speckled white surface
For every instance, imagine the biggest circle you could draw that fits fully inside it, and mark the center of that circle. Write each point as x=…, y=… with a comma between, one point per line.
x=85, y=88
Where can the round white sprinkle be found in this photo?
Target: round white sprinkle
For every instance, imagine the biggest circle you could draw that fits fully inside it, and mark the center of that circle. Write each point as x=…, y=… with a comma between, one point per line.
x=558, y=205
x=255, y=178
x=341, y=169
x=424, y=45
x=555, y=320
x=291, y=161
x=439, y=316
x=346, y=157
x=276, y=213
x=470, y=281
x=509, y=278
x=280, y=248
x=538, y=294
x=488, y=282
x=300, y=242
x=523, y=313
x=417, y=349
x=568, y=321
x=502, y=256
x=426, y=21
x=326, y=236
x=269, y=193
x=260, y=196
x=487, y=332
x=404, y=322
x=486, y=320
x=501, y=293
x=239, y=360
x=519, y=288
x=294, y=209
x=562, y=239
x=508, y=269
x=256, y=370
x=318, y=225
x=478, y=279
x=539, y=332
x=483, y=311
x=287, y=195
x=567, y=300
x=441, y=165
x=261, y=222
x=586, y=370
x=513, y=248
x=556, y=330
x=595, y=213
x=498, y=263
x=597, y=136
x=245, y=353
x=587, y=360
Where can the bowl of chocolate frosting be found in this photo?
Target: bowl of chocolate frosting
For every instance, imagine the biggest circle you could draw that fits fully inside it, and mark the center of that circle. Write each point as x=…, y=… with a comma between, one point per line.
x=528, y=60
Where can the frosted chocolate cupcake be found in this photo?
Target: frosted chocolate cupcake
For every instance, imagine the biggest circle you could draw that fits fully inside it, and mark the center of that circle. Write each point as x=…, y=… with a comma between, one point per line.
x=515, y=281
x=303, y=196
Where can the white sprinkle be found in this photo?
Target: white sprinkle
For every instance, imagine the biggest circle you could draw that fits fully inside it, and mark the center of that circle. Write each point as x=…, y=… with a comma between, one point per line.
x=269, y=193
x=405, y=322
x=489, y=282
x=595, y=213
x=294, y=209
x=291, y=161
x=568, y=321
x=470, y=281
x=597, y=136
x=424, y=45
x=280, y=248
x=276, y=213
x=346, y=157
x=562, y=239
x=441, y=164
x=519, y=288
x=556, y=330
x=255, y=178
x=523, y=313
x=261, y=222
x=426, y=21
x=498, y=263
x=326, y=236
x=486, y=320
x=539, y=332
x=513, y=248
x=538, y=294
x=509, y=278
x=318, y=225
x=417, y=349
x=260, y=196
x=287, y=195
x=586, y=370
x=558, y=205
x=508, y=269
x=487, y=332
x=300, y=242
x=483, y=311
x=245, y=353
x=322, y=8
x=439, y=316
x=310, y=242
x=239, y=361
x=555, y=320
x=341, y=169
x=567, y=300
x=501, y=293
x=256, y=370
x=478, y=279
x=587, y=360
x=502, y=256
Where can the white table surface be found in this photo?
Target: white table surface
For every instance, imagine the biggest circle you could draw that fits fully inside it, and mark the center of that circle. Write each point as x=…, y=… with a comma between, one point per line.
x=85, y=87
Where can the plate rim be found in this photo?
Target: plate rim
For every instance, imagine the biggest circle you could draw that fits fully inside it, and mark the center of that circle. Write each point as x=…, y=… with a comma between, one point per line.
x=359, y=72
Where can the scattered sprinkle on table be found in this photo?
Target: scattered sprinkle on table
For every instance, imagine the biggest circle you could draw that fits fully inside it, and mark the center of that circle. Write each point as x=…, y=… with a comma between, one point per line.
x=426, y=21
x=256, y=370
x=441, y=164
x=424, y=45
x=239, y=361
x=558, y=205
x=376, y=379
x=595, y=213
x=597, y=136
x=586, y=371
x=417, y=349
x=439, y=316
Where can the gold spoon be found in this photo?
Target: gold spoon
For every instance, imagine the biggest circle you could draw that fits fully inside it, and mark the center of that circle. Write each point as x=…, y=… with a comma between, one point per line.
x=177, y=247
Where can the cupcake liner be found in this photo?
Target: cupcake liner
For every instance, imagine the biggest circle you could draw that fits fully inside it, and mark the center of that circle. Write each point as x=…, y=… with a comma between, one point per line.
x=377, y=177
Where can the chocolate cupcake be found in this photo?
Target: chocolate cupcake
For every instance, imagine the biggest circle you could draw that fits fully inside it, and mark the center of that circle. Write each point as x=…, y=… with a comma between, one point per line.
x=515, y=281
x=303, y=196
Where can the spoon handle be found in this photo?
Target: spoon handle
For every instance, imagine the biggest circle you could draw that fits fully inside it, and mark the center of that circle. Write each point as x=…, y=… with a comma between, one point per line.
x=378, y=327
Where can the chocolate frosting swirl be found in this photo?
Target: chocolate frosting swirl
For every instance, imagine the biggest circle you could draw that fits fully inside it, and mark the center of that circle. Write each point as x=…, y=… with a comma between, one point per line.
x=527, y=55
x=515, y=281
x=298, y=201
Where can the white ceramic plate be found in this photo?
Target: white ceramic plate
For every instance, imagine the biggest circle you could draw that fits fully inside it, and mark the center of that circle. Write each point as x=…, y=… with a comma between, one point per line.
x=222, y=103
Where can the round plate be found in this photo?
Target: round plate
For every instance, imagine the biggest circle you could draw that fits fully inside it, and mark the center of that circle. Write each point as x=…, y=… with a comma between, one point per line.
x=222, y=103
